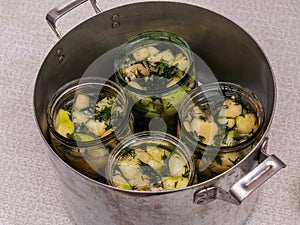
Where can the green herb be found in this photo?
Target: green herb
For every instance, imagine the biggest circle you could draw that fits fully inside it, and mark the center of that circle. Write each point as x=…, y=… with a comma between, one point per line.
x=159, y=69
x=186, y=172
x=168, y=105
x=201, y=138
x=234, y=161
x=139, y=73
x=226, y=135
x=110, y=148
x=175, y=183
x=104, y=114
x=203, y=118
x=160, y=73
x=218, y=159
x=71, y=136
x=165, y=70
x=198, y=153
x=108, y=126
x=164, y=157
x=238, y=99
x=129, y=151
x=148, y=170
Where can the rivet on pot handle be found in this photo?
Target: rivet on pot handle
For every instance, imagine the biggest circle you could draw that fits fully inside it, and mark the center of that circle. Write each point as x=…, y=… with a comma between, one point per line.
x=57, y=12
x=246, y=185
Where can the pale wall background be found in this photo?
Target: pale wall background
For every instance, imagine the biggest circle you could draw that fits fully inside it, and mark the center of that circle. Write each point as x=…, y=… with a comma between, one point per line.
x=29, y=191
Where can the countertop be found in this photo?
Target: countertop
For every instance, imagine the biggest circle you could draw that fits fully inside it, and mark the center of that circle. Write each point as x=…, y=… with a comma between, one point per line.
x=29, y=190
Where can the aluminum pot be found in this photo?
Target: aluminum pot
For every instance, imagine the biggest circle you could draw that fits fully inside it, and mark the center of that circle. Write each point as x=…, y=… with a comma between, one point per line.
x=231, y=54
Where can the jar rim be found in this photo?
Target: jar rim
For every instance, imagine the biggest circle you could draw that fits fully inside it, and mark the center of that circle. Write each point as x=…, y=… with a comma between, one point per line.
x=150, y=136
x=155, y=35
x=217, y=86
x=71, y=86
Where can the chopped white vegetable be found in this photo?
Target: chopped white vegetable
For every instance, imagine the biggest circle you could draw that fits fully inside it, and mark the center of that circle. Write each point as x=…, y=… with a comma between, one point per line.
x=142, y=156
x=195, y=125
x=129, y=168
x=79, y=117
x=176, y=165
x=157, y=153
x=174, y=182
x=230, y=122
x=140, y=182
x=230, y=109
x=181, y=63
x=82, y=101
x=155, y=164
x=96, y=127
x=120, y=182
x=135, y=85
x=141, y=54
x=246, y=124
x=103, y=103
x=152, y=50
x=166, y=55
x=208, y=130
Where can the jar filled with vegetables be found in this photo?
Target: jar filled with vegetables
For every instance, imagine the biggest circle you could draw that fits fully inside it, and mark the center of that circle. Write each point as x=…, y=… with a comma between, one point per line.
x=150, y=161
x=156, y=69
x=87, y=117
x=221, y=123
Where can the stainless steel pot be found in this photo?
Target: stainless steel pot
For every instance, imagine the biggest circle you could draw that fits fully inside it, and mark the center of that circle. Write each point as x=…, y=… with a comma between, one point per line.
x=231, y=54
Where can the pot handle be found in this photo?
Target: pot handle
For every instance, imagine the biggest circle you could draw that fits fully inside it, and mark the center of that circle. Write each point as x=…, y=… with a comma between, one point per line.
x=246, y=185
x=65, y=7
x=255, y=178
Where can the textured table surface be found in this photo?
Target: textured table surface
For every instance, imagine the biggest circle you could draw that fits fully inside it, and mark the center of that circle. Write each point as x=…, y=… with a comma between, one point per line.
x=29, y=191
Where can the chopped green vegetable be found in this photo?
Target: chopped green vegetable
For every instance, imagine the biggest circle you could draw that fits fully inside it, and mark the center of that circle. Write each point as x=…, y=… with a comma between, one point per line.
x=64, y=124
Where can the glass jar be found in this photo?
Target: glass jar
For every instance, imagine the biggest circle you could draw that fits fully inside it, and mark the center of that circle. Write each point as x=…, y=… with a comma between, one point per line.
x=87, y=117
x=221, y=123
x=150, y=161
x=156, y=69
